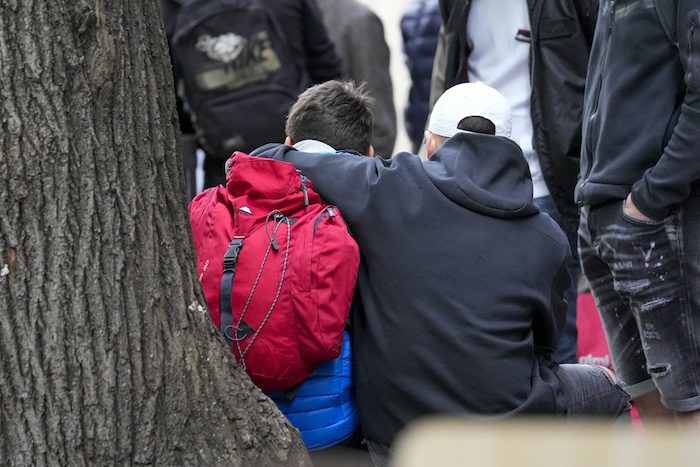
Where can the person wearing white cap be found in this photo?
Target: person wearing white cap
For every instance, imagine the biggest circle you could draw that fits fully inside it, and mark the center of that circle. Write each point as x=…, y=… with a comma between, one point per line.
x=468, y=107
x=459, y=304
x=535, y=53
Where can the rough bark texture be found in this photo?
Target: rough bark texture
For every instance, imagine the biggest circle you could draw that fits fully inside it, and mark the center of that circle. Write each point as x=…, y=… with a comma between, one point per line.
x=107, y=354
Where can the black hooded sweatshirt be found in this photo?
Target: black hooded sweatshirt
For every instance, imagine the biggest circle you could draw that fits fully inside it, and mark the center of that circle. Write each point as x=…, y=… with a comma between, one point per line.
x=460, y=286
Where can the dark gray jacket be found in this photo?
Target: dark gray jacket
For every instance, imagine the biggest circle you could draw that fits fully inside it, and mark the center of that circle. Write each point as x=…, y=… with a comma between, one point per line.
x=561, y=35
x=460, y=286
x=358, y=35
x=642, y=111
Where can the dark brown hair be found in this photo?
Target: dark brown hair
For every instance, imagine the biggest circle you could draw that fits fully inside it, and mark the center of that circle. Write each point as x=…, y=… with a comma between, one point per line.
x=335, y=112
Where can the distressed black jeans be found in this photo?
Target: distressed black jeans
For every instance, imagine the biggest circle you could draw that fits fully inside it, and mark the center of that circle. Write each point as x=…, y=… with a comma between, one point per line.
x=645, y=278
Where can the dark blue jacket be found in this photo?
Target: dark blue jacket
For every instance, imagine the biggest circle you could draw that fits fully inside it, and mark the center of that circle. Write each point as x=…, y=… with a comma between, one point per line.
x=460, y=285
x=420, y=25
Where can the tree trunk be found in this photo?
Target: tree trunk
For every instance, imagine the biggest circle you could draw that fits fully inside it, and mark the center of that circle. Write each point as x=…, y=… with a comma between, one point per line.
x=107, y=352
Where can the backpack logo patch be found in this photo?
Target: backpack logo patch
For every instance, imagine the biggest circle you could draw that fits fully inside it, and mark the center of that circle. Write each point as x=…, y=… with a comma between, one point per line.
x=236, y=73
x=246, y=210
x=224, y=48
x=243, y=61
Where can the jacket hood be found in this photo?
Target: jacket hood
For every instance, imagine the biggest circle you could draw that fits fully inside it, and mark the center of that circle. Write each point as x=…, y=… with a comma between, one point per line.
x=270, y=149
x=485, y=174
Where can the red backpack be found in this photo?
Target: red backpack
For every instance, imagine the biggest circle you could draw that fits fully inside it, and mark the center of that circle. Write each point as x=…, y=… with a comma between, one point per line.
x=278, y=269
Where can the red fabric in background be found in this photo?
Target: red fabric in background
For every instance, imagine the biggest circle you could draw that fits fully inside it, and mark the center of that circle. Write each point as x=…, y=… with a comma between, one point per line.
x=592, y=346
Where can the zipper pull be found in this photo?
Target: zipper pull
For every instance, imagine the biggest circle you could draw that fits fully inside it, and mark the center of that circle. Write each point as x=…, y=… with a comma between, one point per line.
x=612, y=15
x=691, y=33
x=303, y=188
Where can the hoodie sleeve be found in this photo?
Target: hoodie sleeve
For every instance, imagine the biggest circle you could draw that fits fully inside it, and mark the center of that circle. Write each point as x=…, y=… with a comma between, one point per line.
x=549, y=319
x=344, y=180
x=559, y=307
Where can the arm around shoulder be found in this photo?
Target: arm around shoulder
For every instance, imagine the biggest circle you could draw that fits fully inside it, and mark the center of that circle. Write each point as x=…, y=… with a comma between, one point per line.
x=344, y=180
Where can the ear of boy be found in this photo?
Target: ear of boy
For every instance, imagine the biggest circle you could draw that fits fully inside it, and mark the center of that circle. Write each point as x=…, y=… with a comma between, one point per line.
x=432, y=142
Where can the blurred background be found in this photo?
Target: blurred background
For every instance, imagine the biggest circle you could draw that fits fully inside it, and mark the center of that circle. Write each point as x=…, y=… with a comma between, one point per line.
x=390, y=11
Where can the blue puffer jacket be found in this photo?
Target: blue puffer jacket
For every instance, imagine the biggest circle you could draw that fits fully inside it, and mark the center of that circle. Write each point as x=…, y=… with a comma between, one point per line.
x=324, y=409
x=420, y=25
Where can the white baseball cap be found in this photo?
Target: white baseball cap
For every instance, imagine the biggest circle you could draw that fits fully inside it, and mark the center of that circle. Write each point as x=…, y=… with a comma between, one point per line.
x=469, y=100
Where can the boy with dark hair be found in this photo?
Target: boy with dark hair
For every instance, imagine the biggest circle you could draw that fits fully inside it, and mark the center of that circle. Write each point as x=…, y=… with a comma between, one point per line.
x=336, y=113
x=328, y=115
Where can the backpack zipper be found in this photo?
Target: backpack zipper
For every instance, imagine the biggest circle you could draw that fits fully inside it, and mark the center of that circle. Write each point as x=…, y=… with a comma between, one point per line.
x=329, y=211
x=303, y=188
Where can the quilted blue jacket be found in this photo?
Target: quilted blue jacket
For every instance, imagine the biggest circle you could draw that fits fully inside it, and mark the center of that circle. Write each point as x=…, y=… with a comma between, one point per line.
x=420, y=25
x=323, y=409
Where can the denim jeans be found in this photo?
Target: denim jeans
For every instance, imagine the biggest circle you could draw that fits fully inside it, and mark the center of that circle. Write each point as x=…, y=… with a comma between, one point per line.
x=568, y=343
x=645, y=278
x=592, y=393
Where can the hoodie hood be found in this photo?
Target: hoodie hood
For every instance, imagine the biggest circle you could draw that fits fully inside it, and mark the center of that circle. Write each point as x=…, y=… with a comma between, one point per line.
x=483, y=173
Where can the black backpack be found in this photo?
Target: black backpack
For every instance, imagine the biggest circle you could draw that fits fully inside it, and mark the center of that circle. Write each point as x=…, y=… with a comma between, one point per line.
x=234, y=72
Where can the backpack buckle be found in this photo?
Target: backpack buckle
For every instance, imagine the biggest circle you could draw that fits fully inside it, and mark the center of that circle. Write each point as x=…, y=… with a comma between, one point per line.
x=231, y=256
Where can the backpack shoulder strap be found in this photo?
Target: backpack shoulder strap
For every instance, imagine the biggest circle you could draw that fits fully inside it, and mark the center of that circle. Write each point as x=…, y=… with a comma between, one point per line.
x=667, y=11
x=230, y=263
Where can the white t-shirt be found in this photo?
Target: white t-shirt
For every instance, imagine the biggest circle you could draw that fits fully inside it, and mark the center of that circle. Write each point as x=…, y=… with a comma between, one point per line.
x=500, y=54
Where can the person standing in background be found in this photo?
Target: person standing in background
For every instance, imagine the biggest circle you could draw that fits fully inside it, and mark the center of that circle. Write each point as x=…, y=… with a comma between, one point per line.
x=307, y=47
x=640, y=200
x=535, y=53
x=420, y=25
x=358, y=35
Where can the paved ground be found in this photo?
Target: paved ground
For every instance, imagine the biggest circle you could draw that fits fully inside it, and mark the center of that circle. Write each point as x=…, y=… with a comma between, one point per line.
x=341, y=457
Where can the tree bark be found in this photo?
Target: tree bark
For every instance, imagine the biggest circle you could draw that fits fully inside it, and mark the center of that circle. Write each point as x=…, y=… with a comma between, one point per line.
x=107, y=352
